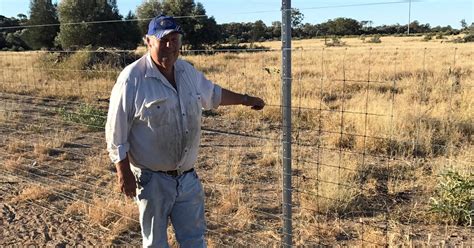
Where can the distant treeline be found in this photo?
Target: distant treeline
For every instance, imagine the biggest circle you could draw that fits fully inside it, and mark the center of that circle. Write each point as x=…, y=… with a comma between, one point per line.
x=73, y=24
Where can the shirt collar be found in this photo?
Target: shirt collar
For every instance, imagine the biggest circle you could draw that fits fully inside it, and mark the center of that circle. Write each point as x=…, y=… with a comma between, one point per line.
x=152, y=71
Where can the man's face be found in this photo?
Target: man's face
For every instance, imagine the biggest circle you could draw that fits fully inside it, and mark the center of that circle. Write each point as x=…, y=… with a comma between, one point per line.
x=165, y=51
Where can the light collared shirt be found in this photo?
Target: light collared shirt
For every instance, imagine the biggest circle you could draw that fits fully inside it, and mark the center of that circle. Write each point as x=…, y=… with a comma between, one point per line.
x=158, y=126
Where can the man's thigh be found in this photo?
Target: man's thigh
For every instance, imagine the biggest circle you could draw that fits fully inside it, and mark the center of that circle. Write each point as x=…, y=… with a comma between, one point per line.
x=187, y=215
x=155, y=197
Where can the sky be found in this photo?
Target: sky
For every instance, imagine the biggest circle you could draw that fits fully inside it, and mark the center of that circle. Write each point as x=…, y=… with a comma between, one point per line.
x=434, y=12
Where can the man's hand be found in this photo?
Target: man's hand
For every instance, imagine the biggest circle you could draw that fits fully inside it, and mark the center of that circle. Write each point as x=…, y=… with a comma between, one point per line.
x=256, y=102
x=125, y=178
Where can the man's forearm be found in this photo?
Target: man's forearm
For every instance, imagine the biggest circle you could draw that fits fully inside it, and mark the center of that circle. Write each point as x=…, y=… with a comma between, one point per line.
x=123, y=165
x=125, y=178
x=232, y=98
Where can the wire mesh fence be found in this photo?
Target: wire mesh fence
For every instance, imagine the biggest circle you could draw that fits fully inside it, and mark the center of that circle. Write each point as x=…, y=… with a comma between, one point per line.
x=375, y=128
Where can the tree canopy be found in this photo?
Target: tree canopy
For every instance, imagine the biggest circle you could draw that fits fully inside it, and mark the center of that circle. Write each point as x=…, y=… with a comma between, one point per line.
x=42, y=12
x=99, y=24
x=146, y=11
x=91, y=22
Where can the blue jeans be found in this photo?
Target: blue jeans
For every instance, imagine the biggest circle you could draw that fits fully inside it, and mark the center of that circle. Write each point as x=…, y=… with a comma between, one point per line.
x=181, y=199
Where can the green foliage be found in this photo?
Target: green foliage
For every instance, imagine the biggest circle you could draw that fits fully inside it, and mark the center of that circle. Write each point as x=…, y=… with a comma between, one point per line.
x=343, y=26
x=198, y=31
x=131, y=32
x=454, y=199
x=42, y=12
x=146, y=11
x=89, y=32
x=258, y=32
x=16, y=41
x=12, y=39
x=94, y=119
x=296, y=18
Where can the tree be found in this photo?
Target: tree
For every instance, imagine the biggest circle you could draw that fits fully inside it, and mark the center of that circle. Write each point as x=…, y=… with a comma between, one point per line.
x=366, y=25
x=42, y=12
x=276, y=29
x=343, y=26
x=23, y=19
x=296, y=18
x=72, y=34
x=131, y=32
x=145, y=12
x=236, y=32
x=463, y=24
x=199, y=29
x=258, y=31
x=12, y=38
x=416, y=27
x=310, y=31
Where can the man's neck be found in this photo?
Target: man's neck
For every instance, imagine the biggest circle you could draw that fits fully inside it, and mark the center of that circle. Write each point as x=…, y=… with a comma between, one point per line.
x=167, y=72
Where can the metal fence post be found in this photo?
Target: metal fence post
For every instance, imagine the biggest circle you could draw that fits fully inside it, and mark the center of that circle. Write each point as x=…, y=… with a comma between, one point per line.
x=286, y=107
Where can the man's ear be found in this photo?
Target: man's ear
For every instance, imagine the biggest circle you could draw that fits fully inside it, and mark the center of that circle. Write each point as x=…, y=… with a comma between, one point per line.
x=146, y=40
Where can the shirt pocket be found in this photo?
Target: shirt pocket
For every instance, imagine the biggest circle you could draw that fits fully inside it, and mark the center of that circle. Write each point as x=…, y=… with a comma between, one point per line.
x=156, y=112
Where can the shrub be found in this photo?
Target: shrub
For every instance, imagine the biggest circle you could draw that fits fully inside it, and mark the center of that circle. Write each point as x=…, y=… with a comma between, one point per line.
x=466, y=38
x=335, y=42
x=87, y=63
x=454, y=199
x=469, y=38
x=375, y=39
x=428, y=37
x=458, y=40
x=94, y=119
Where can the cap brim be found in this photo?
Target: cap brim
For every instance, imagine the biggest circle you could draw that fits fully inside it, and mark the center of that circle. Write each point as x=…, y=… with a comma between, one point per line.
x=166, y=32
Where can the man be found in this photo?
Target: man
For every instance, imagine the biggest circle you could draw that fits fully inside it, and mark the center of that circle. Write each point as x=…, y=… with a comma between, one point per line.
x=153, y=131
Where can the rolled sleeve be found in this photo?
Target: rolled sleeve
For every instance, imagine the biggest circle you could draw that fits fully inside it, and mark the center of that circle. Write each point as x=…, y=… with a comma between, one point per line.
x=118, y=153
x=119, y=121
x=211, y=93
x=216, y=96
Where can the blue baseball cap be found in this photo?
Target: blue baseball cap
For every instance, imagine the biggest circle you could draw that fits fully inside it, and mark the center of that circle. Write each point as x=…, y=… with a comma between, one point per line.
x=163, y=25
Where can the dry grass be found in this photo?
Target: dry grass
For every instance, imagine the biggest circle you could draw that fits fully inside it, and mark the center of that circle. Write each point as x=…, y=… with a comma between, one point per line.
x=374, y=124
x=33, y=193
x=17, y=146
x=116, y=215
x=97, y=165
x=42, y=150
x=13, y=163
